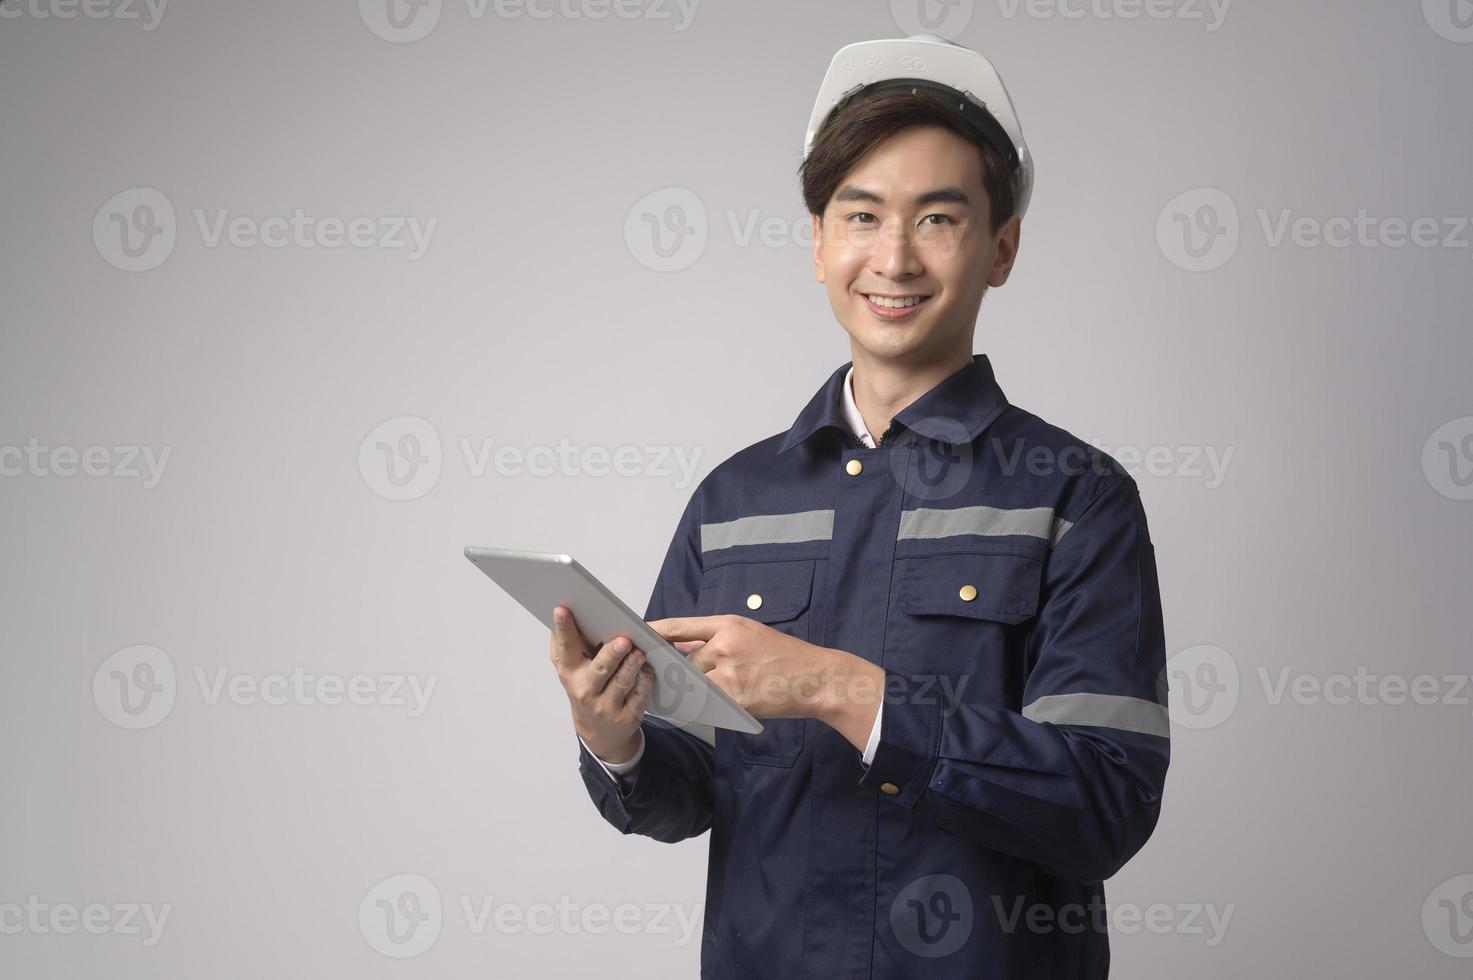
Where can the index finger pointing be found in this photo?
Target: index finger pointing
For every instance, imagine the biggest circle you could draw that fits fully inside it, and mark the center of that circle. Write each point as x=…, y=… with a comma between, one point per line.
x=685, y=627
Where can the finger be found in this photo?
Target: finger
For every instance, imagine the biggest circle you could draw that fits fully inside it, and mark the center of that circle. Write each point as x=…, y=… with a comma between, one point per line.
x=570, y=649
x=686, y=627
x=686, y=646
x=596, y=673
x=616, y=692
x=704, y=659
x=644, y=686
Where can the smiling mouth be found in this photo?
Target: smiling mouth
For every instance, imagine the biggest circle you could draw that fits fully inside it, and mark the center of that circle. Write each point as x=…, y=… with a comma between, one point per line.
x=892, y=307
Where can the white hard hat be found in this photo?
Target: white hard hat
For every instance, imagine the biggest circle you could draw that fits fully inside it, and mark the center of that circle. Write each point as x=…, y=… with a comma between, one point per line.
x=939, y=68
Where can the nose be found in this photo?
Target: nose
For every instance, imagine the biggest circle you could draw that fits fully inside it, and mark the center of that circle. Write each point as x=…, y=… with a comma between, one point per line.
x=894, y=255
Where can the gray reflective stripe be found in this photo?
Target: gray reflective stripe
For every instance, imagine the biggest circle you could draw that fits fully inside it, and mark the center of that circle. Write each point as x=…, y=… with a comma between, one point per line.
x=808, y=525
x=1101, y=711
x=1061, y=527
x=938, y=522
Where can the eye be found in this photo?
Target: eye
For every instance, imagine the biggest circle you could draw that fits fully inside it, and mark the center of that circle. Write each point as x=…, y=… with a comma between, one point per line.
x=945, y=219
x=862, y=214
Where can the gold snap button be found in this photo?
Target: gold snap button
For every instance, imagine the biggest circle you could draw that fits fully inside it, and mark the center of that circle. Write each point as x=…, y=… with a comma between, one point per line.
x=889, y=789
x=754, y=601
x=968, y=593
x=853, y=467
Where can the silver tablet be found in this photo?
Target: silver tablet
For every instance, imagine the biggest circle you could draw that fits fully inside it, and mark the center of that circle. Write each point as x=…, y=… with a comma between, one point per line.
x=682, y=695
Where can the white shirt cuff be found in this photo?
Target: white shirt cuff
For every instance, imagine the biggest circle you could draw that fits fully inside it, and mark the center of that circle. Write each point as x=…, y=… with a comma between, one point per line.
x=616, y=769
x=874, y=737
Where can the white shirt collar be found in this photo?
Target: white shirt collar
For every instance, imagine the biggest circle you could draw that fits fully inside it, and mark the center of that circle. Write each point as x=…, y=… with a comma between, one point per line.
x=851, y=411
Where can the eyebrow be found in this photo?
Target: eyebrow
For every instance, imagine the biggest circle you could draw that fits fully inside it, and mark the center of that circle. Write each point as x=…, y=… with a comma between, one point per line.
x=941, y=195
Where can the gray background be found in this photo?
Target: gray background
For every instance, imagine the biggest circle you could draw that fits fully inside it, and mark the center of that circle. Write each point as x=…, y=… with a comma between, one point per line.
x=535, y=316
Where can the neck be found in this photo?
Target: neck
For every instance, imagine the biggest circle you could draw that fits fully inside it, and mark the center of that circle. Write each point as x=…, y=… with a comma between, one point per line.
x=884, y=388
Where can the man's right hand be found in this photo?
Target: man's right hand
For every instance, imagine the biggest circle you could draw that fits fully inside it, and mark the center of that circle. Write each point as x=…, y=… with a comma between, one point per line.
x=608, y=691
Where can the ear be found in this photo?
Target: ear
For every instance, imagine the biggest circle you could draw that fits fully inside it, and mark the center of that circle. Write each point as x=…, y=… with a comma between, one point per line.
x=1005, y=251
x=818, y=248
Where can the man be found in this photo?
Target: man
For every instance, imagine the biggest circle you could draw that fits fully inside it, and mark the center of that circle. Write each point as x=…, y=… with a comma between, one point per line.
x=952, y=632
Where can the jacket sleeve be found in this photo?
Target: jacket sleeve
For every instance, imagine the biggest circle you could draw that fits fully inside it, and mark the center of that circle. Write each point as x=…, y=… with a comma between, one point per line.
x=669, y=795
x=1073, y=781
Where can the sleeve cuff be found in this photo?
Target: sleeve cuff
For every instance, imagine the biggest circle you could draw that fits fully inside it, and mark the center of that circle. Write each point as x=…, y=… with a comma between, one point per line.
x=874, y=737
x=616, y=769
x=909, y=743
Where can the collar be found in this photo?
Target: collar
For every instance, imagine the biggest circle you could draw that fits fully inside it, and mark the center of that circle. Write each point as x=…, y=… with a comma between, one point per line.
x=955, y=410
x=852, y=418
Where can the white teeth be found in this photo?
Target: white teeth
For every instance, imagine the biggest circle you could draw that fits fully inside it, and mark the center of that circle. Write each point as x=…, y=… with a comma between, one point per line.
x=894, y=304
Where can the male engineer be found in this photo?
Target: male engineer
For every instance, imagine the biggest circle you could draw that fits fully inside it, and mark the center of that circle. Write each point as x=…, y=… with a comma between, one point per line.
x=951, y=630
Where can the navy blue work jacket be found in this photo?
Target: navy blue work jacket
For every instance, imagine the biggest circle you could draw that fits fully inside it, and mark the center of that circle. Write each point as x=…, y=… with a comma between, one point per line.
x=1001, y=573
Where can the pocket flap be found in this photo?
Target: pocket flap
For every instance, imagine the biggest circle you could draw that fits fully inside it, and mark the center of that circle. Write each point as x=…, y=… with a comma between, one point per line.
x=979, y=585
x=767, y=591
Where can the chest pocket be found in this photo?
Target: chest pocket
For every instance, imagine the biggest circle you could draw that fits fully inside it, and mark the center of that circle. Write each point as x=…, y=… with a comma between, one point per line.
x=780, y=594
x=976, y=585
x=965, y=619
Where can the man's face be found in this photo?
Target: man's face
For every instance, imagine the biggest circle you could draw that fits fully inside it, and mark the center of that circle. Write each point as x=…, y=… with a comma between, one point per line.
x=909, y=224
